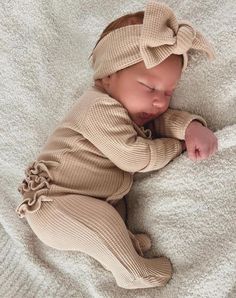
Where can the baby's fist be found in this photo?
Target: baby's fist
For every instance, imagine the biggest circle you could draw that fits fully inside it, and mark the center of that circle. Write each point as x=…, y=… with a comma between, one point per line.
x=201, y=142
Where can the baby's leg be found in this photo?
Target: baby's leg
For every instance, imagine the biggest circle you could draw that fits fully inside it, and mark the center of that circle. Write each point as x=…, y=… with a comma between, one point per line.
x=94, y=227
x=121, y=208
x=141, y=241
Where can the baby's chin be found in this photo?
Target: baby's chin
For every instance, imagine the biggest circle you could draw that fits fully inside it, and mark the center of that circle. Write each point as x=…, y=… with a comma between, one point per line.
x=141, y=121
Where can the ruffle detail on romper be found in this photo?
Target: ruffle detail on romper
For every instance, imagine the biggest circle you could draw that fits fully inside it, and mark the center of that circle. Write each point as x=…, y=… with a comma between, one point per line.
x=38, y=180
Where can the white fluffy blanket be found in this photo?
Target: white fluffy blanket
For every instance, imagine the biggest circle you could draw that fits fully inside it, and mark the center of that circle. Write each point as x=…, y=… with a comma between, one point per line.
x=189, y=209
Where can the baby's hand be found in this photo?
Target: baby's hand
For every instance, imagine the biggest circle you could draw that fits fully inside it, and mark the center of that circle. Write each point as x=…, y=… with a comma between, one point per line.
x=200, y=141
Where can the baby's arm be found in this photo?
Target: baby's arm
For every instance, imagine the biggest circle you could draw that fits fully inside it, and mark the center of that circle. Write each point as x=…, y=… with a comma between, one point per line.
x=200, y=141
x=173, y=123
x=109, y=128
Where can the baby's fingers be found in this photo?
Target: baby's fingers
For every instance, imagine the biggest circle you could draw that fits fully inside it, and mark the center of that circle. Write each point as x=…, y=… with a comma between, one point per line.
x=202, y=154
x=197, y=154
x=194, y=155
x=207, y=152
x=191, y=153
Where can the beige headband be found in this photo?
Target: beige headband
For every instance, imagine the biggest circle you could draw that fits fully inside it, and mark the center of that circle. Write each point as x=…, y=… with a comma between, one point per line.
x=158, y=37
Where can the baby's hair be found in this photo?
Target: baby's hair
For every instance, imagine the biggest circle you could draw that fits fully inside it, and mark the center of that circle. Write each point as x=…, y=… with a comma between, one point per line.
x=126, y=20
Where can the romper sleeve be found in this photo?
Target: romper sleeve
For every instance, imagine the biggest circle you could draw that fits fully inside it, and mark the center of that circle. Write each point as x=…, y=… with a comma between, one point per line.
x=109, y=128
x=173, y=123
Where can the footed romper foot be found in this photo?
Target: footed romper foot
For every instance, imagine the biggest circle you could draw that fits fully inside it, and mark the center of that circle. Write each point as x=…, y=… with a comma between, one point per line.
x=144, y=241
x=160, y=273
x=141, y=242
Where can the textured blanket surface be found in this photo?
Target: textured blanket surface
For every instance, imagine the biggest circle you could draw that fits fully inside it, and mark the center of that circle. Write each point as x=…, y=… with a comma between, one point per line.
x=188, y=208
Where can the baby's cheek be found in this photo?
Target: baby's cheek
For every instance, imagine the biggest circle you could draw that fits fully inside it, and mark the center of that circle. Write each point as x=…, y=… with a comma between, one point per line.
x=135, y=106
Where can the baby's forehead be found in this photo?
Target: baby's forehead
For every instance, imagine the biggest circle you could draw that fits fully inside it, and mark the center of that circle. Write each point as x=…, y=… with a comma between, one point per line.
x=147, y=75
x=143, y=72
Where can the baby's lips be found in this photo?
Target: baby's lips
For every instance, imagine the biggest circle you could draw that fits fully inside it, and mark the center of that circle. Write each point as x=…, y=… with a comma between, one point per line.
x=146, y=115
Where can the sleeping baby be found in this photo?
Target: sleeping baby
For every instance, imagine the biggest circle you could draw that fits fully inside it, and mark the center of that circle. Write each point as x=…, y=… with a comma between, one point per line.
x=121, y=125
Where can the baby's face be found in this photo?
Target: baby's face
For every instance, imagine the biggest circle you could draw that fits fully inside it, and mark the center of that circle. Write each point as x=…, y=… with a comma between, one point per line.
x=145, y=93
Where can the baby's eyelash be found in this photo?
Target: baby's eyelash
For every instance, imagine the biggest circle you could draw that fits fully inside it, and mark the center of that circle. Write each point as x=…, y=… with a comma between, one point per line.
x=147, y=86
x=152, y=89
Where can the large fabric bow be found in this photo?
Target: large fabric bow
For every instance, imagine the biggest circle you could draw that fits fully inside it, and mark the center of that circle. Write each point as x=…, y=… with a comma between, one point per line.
x=162, y=35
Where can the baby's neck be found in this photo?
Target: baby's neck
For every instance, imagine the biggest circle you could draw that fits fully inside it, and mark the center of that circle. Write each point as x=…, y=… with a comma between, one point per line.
x=98, y=84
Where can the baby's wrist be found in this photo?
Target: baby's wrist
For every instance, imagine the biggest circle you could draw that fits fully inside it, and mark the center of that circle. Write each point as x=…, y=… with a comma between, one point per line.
x=193, y=124
x=196, y=122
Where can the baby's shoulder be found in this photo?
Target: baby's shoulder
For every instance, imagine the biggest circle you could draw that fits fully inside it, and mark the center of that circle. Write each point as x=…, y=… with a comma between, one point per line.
x=90, y=101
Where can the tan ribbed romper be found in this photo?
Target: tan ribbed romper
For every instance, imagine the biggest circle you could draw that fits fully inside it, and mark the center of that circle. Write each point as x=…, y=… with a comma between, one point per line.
x=85, y=168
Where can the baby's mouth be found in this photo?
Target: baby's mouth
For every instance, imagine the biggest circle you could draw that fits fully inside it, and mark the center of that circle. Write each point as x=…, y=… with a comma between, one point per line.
x=146, y=116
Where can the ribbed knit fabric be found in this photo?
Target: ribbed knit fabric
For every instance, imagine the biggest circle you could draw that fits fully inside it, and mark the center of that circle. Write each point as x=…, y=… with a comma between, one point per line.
x=157, y=38
x=85, y=167
x=94, y=227
x=97, y=148
x=141, y=241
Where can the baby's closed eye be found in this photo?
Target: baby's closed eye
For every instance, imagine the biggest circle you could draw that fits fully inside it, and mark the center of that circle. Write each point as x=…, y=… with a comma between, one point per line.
x=152, y=89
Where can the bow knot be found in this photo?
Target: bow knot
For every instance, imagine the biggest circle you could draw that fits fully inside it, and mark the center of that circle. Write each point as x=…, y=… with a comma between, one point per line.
x=162, y=35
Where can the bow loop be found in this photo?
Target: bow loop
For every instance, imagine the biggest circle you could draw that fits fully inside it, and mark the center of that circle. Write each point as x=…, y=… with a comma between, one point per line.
x=162, y=35
x=184, y=39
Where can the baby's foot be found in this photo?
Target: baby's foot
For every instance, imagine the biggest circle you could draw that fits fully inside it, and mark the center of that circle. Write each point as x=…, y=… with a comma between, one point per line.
x=160, y=272
x=141, y=242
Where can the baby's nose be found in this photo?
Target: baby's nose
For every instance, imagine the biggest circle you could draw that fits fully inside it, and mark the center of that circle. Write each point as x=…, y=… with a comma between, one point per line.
x=159, y=103
x=159, y=99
